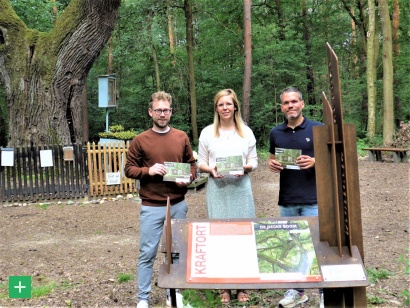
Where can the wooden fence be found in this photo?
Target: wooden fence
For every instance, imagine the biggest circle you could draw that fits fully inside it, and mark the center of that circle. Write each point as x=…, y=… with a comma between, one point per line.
x=42, y=173
x=106, y=164
x=30, y=174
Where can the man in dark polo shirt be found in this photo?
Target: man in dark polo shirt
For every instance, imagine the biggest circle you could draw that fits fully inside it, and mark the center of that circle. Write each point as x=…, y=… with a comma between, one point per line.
x=297, y=188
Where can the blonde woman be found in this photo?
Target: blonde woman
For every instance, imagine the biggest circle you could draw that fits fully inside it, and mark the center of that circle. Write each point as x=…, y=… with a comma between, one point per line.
x=228, y=196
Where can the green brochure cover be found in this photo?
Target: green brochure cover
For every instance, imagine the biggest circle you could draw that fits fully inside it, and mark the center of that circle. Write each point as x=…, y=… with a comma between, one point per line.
x=229, y=165
x=177, y=172
x=287, y=157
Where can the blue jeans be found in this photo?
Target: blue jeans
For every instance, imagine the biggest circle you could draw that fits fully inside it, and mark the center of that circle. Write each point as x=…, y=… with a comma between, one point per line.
x=298, y=210
x=151, y=226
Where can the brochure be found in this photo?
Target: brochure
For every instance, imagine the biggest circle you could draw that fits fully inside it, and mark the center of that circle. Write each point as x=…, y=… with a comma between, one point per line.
x=287, y=157
x=273, y=251
x=177, y=172
x=229, y=165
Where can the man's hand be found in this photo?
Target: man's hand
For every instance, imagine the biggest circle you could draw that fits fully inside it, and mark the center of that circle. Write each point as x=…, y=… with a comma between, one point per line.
x=274, y=165
x=305, y=162
x=182, y=184
x=159, y=169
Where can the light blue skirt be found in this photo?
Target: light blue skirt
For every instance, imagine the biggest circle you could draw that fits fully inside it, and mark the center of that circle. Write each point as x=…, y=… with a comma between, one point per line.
x=230, y=197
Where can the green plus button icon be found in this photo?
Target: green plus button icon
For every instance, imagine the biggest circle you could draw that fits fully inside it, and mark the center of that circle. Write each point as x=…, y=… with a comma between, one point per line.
x=19, y=286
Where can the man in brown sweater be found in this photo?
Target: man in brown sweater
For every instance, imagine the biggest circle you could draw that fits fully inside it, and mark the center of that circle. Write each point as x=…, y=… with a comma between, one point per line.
x=145, y=162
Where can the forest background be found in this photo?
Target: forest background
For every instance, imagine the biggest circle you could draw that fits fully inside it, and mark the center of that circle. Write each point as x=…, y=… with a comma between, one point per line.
x=149, y=50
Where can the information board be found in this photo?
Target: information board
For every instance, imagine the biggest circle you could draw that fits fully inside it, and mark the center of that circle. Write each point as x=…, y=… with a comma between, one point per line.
x=271, y=251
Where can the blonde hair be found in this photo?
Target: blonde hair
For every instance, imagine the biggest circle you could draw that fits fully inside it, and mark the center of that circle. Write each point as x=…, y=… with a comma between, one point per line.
x=160, y=95
x=239, y=123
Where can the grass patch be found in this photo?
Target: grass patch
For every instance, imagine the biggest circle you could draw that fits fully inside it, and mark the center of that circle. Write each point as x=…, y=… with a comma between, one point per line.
x=44, y=205
x=3, y=291
x=43, y=290
x=201, y=298
x=404, y=259
x=124, y=277
x=375, y=275
x=374, y=300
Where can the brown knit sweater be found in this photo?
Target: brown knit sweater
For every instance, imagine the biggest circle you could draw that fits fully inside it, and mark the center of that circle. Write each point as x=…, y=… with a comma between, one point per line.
x=149, y=148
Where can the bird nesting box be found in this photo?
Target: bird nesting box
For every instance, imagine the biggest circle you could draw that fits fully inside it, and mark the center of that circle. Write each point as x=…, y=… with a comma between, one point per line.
x=107, y=91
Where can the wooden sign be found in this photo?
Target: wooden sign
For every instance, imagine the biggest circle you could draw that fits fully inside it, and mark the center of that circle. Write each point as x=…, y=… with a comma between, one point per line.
x=112, y=178
x=68, y=153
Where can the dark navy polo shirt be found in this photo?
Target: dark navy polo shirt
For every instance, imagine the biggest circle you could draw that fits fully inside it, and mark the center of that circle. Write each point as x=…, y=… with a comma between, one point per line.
x=296, y=186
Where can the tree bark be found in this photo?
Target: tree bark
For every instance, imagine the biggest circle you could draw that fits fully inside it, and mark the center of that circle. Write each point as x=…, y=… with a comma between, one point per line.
x=388, y=102
x=171, y=33
x=153, y=50
x=310, y=87
x=247, y=24
x=43, y=74
x=281, y=25
x=190, y=51
x=396, y=53
x=371, y=72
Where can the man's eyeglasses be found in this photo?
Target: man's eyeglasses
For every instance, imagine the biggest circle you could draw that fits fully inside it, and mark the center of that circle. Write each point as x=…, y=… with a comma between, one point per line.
x=165, y=111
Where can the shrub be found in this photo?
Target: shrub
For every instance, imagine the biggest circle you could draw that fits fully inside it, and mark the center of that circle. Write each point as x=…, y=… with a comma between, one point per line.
x=118, y=132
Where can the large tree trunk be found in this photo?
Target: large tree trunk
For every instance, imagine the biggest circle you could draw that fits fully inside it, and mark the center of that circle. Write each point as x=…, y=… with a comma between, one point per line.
x=248, y=59
x=44, y=74
x=190, y=51
x=388, y=110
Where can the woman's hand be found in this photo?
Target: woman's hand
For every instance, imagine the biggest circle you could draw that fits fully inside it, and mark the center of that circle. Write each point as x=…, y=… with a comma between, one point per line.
x=214, y=172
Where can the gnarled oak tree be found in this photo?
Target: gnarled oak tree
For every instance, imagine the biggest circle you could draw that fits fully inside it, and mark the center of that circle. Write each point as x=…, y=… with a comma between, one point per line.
x=43, y=74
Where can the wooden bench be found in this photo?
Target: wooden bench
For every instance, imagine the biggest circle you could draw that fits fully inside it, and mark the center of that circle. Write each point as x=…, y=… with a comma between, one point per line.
x=399, y=154
x=198, y=183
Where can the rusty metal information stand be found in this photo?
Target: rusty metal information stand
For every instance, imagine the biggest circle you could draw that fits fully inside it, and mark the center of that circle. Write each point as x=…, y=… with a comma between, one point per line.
x=337, y=179
x=336, y=232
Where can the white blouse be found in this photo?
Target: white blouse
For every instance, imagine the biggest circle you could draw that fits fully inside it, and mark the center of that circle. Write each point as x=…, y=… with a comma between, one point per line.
x=229, y=143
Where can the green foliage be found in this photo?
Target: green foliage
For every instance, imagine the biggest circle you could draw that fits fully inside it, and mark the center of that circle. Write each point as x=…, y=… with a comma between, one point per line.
x=375, y=300
x=116, y=128
x=365, y=142
x=117, y=132
x=374, y=275
x=43, y=290
x=201, y=298
x=37, y=14
x=3, y=290
x=42, y=286
x=406, y=261
x=263, y=153
x=286, y=50
x=44, y=205
x=124, y=277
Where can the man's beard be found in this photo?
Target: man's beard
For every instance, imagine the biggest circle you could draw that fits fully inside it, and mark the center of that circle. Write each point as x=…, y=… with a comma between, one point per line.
x=293, y=117
x=157, y=123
